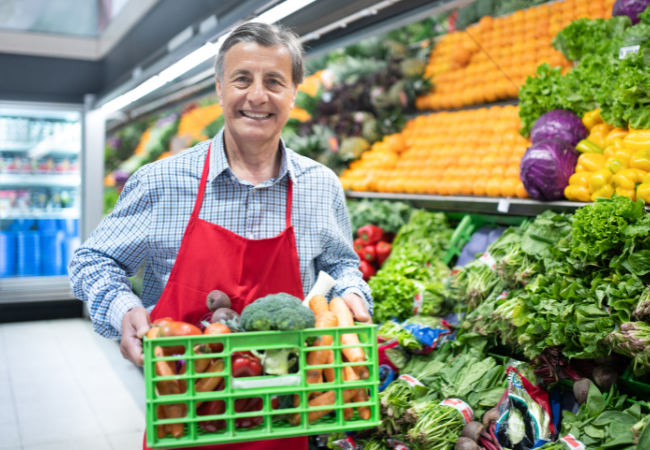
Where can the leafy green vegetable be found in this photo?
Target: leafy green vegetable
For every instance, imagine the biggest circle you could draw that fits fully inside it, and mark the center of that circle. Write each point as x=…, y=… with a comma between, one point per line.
x=539, y=95
x=585, y=36
x=392, y=330
x=389, y=216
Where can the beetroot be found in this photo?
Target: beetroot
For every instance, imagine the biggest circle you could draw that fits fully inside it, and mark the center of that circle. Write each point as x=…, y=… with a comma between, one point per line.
x=581, y=390
x=464, y=443
x=604, y=377
x=216, y=300
x=473, y=430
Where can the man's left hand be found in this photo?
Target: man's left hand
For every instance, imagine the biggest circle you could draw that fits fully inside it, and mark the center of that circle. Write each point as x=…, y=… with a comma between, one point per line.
x=358, y=308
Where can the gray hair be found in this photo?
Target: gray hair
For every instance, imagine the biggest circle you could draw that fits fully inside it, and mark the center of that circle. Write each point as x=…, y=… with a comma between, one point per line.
x=266, y=36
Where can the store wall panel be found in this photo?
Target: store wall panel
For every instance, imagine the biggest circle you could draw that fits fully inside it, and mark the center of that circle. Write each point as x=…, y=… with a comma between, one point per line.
x=35, y=78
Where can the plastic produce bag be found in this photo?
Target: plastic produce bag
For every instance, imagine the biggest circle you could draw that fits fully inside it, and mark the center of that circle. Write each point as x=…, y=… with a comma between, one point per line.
x=524, y=414
x=479, y=244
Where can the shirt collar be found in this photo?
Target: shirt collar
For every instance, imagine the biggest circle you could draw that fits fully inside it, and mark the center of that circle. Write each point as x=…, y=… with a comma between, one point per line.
x=219, y=162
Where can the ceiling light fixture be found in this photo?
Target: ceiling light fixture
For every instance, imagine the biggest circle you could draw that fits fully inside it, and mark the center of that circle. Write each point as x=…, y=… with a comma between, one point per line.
x=198, y=56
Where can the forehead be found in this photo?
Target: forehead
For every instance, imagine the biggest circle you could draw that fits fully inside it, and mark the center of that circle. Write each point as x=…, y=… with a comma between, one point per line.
x=252, y=56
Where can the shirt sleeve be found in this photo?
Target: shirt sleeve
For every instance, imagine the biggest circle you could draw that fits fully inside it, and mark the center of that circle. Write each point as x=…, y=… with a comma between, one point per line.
x=100, y=268
x=338, y=257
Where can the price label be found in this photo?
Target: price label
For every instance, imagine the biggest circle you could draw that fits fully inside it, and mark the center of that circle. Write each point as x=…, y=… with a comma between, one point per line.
x=488, y=260
x=573, y=443
x=410, y=380
x=503, y=206
x=417, y=303
x=397, y=445
x=624, y=51
x=503, y=295
x=463, y=408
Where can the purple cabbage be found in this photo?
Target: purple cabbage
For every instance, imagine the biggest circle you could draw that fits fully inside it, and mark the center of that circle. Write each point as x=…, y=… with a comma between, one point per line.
x=630, y=8
x=559, y=124
x=546, y=167
x=121, y=176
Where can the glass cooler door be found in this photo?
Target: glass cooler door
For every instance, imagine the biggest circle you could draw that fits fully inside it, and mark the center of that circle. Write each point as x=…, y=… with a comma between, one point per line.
x=40, y=205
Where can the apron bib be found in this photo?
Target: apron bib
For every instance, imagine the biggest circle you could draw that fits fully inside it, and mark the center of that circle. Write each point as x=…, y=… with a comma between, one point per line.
x=212, y=257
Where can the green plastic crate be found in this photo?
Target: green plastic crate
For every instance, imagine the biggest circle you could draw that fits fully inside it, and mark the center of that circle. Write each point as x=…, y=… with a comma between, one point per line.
x=283, y=385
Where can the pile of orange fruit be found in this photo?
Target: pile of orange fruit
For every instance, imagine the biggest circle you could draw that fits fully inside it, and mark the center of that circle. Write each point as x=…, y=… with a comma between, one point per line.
x=491, y=60
x=194, y=121
x=474, y=152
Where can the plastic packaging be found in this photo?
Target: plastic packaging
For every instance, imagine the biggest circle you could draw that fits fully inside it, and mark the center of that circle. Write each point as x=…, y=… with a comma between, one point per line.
x=524, y=414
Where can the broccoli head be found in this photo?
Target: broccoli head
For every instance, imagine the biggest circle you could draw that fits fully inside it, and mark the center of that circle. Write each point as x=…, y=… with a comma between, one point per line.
x=282, y=312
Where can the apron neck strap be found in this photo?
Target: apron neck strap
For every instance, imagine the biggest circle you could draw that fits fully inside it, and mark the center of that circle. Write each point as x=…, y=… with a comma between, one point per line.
x=202, y=183
x=204, y=180
x=289, y=201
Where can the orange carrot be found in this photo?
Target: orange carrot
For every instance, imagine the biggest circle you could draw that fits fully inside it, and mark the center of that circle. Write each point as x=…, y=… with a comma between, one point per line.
x=208, y=384
x=319, y=357
x=353, y=354
x=162, y=430
x=200, y=365
x=349, y=375
x=362, y=396
x=329, y=373
x=318, y=304
x=169, y=387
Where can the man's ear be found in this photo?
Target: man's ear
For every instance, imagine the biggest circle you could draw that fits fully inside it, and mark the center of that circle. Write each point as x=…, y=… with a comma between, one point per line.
x=218, y=88
x=293, y=98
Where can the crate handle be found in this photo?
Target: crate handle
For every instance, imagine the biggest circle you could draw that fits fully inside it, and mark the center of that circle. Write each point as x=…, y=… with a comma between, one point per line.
x=263, y=382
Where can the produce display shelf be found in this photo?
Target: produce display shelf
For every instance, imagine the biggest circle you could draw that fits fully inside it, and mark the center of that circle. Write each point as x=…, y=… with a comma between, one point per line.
x=474, y=204
x=28, y=180
x=65, y=213
x=426, y=112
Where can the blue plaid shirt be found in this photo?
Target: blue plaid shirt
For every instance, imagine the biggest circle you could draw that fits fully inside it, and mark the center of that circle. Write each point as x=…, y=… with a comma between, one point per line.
x=154, y=208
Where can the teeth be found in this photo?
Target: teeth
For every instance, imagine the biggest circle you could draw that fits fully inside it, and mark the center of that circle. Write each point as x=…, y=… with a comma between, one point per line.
x=255, y=116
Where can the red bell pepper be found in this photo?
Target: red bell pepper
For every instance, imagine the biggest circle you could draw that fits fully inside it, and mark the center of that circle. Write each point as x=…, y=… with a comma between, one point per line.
x=244, y=364
x=366, y=270
x=369, y=253
x=382, y=249
x=359, y=245
x=370, y=234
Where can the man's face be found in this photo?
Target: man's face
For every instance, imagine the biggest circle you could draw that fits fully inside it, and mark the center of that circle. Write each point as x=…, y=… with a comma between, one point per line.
x=257, y=91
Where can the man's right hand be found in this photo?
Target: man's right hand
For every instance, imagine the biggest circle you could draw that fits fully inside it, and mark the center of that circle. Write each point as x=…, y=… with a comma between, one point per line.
x=135, y=325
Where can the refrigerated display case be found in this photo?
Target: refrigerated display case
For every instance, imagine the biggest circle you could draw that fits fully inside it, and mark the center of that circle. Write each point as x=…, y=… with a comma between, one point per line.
x=40, y=199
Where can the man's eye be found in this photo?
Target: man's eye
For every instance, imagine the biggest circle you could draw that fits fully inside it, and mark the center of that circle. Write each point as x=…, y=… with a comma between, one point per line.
x=242, y=79
x=273, y=81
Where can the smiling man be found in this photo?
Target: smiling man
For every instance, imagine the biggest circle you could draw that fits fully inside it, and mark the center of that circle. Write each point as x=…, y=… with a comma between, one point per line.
x=240, y=213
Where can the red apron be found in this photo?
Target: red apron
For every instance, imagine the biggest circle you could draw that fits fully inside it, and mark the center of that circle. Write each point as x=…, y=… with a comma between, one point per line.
x=212, y=257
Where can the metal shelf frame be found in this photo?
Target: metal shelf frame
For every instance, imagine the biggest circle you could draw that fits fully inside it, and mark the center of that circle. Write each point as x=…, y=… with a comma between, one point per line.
x=474, y=204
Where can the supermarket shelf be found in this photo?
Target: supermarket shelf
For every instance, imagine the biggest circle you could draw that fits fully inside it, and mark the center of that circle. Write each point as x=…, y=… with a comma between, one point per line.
x=27, y=180
x=35, y=289
x=66, y=213
x=29, y=147
x=474, y=204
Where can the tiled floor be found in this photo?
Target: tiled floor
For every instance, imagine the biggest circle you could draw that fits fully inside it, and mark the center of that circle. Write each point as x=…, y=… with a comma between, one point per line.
x=63, y=387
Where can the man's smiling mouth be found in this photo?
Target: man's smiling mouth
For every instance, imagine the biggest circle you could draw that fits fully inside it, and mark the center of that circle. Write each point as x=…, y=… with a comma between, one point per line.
x=252, y=115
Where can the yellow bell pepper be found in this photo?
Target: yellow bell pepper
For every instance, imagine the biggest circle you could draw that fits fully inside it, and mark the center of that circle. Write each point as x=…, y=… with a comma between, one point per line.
x=638, y=140
x=577, y=193
x=580, y=179
x=592, y=118
x=585, y=146
x=643, y=190
x=598, y=137
x=621, y=160
x=605, y=192
x=628, y=178
x=580, y=168
x=631, y=193
x=592, y=161
x=599, y=180
x=641, y=160
x=616, y=133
